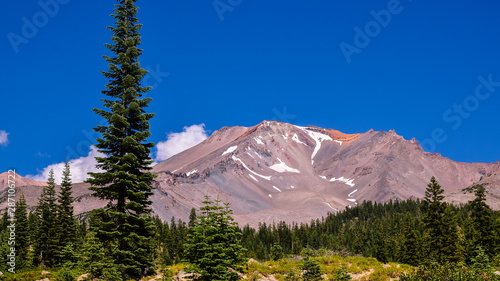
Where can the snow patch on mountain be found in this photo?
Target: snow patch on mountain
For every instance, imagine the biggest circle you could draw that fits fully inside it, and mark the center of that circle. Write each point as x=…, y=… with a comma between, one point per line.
x=258, y=141
x=296, y=139
x=344, y=180
x=351, y=200
x=331, y=206
x=276, y=188
x=229, y=150
x=282, y=167
x=253, y=178
x=349, y=195
x=318, y=138
x=245, y=166
x=339, y=142
x=192, y=172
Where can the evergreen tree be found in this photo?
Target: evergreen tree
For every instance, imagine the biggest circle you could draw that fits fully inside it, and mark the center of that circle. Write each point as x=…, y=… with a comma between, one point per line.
x=433, y=218
x=481, y=261
x=381, y=247
x=4, y=249
x=65, y=218
x=22, y=233
x=410, y=254
x=96, y=262
x=69, y=257
x=341, y=274
x=46, y=244
x=213, y=246
x=311, y=268
x=452, y=245
x=276, y=252
x=483, y=223
x=126, y=181
x=34, y=230
x=192, y=218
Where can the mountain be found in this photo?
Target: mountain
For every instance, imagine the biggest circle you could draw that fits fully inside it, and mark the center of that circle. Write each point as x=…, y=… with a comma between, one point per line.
x=18, y=180
x=277, y=171
x=32, y=190
x=491, y=182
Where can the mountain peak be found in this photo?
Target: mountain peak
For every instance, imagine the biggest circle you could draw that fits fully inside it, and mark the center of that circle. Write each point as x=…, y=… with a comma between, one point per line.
x=276, y=170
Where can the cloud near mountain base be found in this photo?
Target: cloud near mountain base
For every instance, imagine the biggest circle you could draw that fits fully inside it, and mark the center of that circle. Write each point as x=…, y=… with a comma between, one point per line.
x=178, y=142
x=78, y=168
x=175, y=143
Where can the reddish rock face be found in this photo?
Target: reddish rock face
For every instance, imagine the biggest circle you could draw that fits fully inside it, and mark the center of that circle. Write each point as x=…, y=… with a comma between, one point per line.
x=277, y=171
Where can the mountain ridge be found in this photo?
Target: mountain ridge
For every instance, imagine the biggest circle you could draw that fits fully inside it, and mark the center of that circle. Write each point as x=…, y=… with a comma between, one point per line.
x=278, y=171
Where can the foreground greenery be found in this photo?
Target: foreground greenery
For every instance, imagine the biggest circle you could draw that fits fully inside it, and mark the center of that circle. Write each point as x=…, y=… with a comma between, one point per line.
x=328, y=265
x=396, y=238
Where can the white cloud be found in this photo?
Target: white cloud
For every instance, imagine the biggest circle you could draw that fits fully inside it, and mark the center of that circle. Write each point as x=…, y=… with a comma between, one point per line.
x=4, y=137
x=78, y=168
x=175, y=143
x=178, y=142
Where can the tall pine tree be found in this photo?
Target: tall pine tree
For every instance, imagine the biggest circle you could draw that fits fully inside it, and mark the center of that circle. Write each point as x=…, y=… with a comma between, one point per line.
x=22, y=233
x=452, y=241
x=65, y=216
x=446, y=243
x=46, y=244
x=434, y=208
x=411, y=247
x=483, y=223
x=125, y=182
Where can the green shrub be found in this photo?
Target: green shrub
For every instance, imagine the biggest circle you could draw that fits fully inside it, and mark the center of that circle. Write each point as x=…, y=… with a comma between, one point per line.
x=65, y=274
x=341, y=274
x=276, y=252
x=447, y=272
x=311, y=268
x=31, y=275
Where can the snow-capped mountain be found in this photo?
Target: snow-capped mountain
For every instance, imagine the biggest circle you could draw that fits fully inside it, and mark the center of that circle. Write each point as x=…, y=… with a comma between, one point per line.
x=277, y=171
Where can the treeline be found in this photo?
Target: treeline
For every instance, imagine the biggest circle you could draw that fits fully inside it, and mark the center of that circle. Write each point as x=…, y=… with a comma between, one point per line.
x=46, y=236
x=415, y=232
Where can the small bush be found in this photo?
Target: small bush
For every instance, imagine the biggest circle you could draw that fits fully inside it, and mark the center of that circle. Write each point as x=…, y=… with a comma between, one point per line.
x=447, y=272
x=65, y=274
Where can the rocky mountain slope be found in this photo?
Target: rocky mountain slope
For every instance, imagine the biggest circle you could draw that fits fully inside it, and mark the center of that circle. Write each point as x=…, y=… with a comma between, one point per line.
x=17, y=180
x=277, y=171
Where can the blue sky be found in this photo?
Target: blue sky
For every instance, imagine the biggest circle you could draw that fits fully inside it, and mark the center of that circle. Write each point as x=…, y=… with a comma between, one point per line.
x=426, y=69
